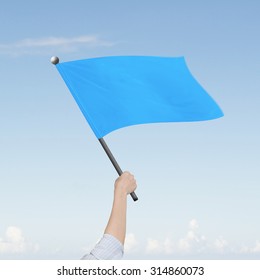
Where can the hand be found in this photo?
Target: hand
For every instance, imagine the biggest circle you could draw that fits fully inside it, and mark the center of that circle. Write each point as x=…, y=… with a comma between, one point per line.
x=126, y=183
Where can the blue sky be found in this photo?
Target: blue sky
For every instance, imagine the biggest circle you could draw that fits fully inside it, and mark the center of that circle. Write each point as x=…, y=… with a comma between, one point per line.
x=198, y=183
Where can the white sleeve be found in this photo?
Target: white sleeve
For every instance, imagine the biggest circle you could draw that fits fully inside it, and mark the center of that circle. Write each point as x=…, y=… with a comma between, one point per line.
x=108, y=248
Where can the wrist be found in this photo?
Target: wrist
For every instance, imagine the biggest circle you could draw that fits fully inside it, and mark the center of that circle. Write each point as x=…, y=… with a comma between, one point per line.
x=120, y=191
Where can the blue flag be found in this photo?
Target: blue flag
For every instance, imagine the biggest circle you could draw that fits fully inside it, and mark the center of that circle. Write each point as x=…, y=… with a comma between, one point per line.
x=119, y=91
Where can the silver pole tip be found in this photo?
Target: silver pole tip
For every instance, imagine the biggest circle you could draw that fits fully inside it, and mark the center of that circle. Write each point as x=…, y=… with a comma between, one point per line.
x=55, y=60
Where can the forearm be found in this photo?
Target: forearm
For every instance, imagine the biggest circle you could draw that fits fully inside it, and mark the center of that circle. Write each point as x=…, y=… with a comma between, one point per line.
x=117, y=222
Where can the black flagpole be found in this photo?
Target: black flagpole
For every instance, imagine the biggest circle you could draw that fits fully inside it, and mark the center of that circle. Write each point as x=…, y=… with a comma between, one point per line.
x=114, y=162
x=55, y=60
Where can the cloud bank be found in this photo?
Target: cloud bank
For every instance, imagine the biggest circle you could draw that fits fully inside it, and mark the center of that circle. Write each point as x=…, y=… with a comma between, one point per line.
x=15, y=243
x=193, y=244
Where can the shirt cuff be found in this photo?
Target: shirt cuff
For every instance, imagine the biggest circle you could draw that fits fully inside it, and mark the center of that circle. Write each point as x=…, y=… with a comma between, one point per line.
x=108, y=248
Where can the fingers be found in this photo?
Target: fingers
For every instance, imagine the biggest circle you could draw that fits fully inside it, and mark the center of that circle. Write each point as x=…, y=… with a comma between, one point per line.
x=130, y=177
x=127, y=182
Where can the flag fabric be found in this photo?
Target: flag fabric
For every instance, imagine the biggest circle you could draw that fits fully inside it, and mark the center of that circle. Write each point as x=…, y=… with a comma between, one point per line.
x=119, y=91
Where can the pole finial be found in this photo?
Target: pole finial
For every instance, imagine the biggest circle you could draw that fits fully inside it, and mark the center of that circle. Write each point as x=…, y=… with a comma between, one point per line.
x=55, y=60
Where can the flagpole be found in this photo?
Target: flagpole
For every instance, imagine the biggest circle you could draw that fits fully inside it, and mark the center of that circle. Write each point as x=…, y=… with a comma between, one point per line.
x=55, y=60
x=114, y=162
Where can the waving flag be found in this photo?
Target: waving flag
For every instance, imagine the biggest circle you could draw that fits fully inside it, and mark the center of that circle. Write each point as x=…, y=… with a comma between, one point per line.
x=114, y=92
x=119, y=91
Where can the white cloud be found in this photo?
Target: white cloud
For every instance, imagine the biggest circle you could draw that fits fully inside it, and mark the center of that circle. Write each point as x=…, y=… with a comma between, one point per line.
x=15, y=242
x=52, y=44
x=193, y=224
x=131, y=243
x=184, y=245
x=193, y=241
x=221, y=245
x=251, y=250
x=256, y=249
x=153, y=246
x=168, y=246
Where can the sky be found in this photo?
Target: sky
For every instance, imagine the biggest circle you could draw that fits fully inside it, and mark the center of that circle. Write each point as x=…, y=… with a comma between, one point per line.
x=198, y=183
